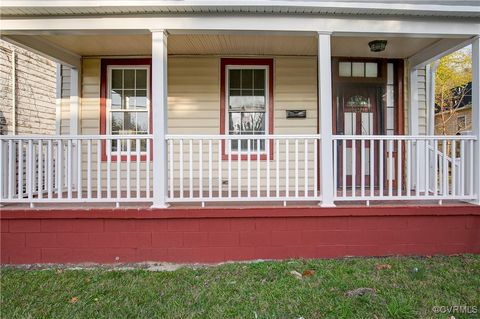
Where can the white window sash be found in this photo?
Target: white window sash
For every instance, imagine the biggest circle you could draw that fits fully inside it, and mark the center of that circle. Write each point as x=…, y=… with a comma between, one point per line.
x=109, y=109
x=227, y=111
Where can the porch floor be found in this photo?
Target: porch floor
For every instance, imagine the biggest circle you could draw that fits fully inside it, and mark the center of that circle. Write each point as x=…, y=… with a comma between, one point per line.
x=243, y=204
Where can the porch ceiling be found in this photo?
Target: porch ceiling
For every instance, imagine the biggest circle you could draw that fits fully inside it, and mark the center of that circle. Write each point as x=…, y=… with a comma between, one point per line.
x=431, y=8
x=228, y=44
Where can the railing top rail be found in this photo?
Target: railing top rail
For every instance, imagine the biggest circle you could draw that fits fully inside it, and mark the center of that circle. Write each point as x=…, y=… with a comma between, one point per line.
x=240, y=137
x=237, y=137
x=404, y=137
x=75, y=137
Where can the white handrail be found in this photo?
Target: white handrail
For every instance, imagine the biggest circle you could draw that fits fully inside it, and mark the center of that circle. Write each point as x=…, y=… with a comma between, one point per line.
x=404, y=137
x=73, y=137
x=239, y=137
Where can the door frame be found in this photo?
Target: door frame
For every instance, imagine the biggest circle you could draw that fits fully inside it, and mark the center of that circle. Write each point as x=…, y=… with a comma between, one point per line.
x=381, y=80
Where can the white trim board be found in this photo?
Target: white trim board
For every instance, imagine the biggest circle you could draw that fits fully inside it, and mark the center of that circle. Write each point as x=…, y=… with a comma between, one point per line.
x=305, y=23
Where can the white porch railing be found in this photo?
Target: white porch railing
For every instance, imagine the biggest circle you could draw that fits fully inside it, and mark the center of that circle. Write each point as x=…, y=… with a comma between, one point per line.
x=270, y=168
x=87, y=168
x=403, y=167
x=208, y=168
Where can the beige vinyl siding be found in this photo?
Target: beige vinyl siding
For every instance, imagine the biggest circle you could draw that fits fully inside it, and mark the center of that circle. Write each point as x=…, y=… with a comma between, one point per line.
x=194, y=95
x=194, y=108
x=295, y=89
x=422, y=101
x=35, y=91
x=65, y=100
x=90, y=101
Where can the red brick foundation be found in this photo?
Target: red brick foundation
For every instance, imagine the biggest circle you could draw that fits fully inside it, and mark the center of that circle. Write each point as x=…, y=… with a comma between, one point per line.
x=214, y=235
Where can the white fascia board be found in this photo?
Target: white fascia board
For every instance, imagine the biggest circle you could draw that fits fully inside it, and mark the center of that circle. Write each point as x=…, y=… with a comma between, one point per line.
x=337, y=25
x=436, y=51
x=430, y=6
x=46, y=49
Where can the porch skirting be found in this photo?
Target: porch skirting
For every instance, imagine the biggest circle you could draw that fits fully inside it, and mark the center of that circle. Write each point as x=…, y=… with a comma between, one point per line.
x=221, y=234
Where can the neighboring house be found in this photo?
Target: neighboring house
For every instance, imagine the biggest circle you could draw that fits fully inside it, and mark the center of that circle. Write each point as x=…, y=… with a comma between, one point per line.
x=284, y=118
x=456, y=121
x=27, y=92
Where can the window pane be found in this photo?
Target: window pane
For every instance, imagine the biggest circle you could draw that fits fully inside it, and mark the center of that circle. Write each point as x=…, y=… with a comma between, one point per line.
x=130, y=123
x=259, y=79
x=247, y=79
x=344, y=69
x=252, y=122
x=143, y=145
x=142, y=122
x=129, y=79
x=358, y=69
x=234, y=78
x=371, y=70
x=114, y=145
x=234, y=146
x=390, y=73
x=259, y=92
x=247, y=103
x=390, y=95
x=141, y=99
x=117, y=79
x=129, y=99
x=116, y=98
x=234, y=122
x=141, y=79
x=117, y=122
x=247, y=92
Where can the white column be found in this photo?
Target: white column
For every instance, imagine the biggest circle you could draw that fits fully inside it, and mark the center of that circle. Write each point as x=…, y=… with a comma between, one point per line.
x=74, y=118
x=476, y=116
x=74, y=102
x=325, y=116
x=159, y=117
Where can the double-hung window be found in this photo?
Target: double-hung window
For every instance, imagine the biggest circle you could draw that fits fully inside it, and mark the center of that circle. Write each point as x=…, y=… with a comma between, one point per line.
x=128, y=103
x=247, y=104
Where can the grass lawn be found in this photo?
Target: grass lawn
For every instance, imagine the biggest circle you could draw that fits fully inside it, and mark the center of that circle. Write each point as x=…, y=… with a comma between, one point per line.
x=404, y=288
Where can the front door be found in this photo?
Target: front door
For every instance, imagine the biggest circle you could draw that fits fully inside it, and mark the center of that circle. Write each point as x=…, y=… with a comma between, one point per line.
x=358, y=112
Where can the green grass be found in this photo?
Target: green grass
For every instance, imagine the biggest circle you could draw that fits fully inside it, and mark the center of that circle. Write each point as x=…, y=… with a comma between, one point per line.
x=409, y=289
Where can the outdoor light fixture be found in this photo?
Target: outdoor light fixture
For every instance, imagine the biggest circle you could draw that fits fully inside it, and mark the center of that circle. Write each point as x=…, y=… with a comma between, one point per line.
x=377, y=45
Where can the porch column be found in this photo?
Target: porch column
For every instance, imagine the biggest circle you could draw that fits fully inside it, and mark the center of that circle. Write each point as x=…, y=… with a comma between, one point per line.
x=159, y=117
x=325, y=119
x=476, y=116
x=74, y=120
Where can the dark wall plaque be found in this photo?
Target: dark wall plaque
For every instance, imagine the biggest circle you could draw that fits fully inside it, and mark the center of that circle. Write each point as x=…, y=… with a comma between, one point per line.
x=296, y=114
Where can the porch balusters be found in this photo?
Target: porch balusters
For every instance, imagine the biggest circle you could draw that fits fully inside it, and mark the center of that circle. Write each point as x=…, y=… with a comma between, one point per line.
x=250, y=168
x=442, y=161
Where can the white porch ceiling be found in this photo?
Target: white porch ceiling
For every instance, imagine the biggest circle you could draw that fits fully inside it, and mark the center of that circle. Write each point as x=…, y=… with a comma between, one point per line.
x=225, y=44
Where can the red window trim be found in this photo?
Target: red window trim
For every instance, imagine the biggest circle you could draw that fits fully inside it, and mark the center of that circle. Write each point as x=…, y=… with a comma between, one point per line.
x=103, y=101
x=246, y=61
